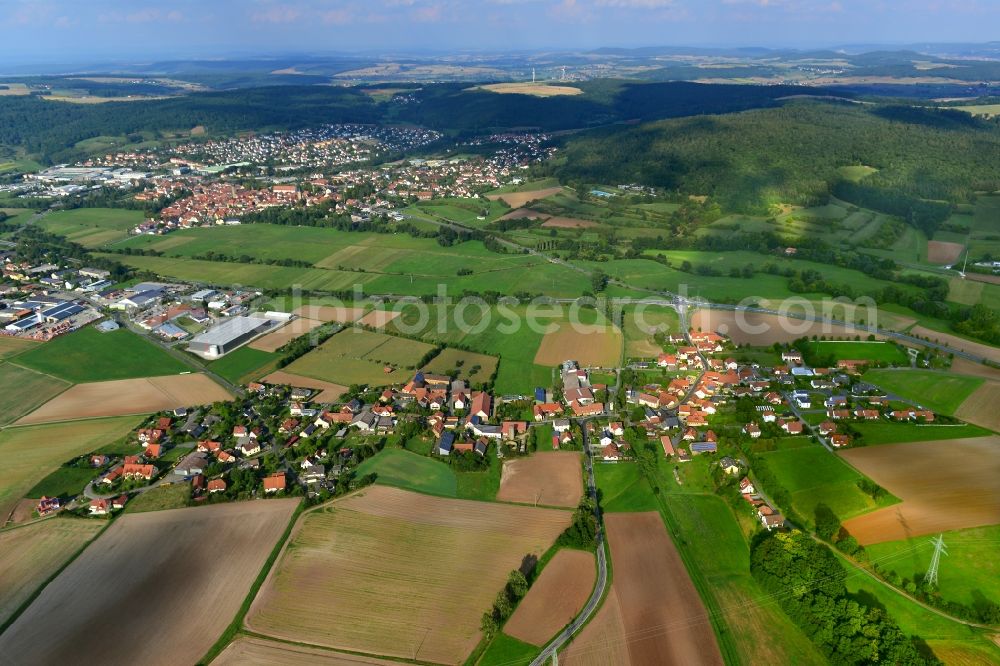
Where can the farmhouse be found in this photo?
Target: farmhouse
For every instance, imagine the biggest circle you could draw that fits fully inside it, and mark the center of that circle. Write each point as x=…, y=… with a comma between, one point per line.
x=274, y=483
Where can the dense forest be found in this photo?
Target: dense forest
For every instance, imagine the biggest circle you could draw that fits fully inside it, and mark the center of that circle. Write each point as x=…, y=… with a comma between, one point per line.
x=748, y=161
x=50, y=129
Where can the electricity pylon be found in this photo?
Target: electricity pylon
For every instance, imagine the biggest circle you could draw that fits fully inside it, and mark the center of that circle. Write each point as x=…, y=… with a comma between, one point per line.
x=932, y=572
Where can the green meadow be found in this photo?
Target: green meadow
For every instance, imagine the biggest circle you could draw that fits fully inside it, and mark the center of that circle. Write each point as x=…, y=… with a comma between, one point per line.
x=88, y=355
x=940, y=391
x=92, y=227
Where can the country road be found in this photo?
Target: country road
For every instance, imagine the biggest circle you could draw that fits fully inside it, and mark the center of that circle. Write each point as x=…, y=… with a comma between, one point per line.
x=602, y=565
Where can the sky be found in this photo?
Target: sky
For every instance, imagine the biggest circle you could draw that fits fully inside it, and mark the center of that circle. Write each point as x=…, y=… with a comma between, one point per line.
x=77, y=30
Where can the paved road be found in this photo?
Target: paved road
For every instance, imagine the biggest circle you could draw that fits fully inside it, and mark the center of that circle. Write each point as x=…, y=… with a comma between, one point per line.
x=602, y=566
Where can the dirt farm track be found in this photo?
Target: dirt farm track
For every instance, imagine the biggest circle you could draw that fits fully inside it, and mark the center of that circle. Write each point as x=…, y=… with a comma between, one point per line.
x=430, y=566
x=128, y=396
x=653, y=614
x=155, y=588
x=250, y=651
x=945, y=485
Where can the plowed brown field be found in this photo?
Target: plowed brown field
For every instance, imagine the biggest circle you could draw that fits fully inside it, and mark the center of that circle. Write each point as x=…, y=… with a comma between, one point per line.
x=155, y=588
x=659, y=617
x=940, y=252
x=519, y=199
x=568, y=223
x=128, y=396
x=944, y=485
x=329, y=391
x=378, y=318
x=982, y=407
x=597, y=346
x=752, y=328
x=963, y=366
x=325, y=313
x=977, y=348
x=390, y=572
x=553, y=478
x=293, y=329
x=555, y=598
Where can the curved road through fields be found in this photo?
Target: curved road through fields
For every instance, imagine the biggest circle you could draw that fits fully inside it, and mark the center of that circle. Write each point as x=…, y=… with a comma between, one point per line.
x=602, y=565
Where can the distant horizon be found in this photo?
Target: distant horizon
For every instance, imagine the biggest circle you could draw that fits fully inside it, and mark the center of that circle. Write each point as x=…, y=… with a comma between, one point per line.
x=68, y=32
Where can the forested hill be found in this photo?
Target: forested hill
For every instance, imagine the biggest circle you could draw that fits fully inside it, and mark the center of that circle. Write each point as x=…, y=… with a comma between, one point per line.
x=749, y=160
x=50, y=129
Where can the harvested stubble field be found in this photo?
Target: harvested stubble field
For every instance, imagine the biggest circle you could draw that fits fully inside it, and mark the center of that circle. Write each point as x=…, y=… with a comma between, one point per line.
x=533, y=89
x=940, y=252
x=519, y=199
x=252, y=651
x=328, y=313
x=977, y=348
x=590, y=346
x=128, y=396
x=329, y=391
x=10, y=346
x=390, y=572
x=32, y=453
x=34, y=552
x=552, y=478
x=653, y=614
x=945, y=485
x=155, y=588
x=555, y=598
x=295, y=328
x=981, y=408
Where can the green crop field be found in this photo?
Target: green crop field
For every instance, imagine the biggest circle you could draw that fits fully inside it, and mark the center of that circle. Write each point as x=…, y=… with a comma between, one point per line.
x=969, y=573
x=622, y=488
x=93, y=227
x=403, y=469
x=64, y=482
x=638, y=325
x=504, y=651
x=172, y=496
x=885, y=352
x=357, y=356
x=939, y=391
x=464, y=364
x=245, y=364
x=812, y=475
x=25, y=390
x=983, y=238
x=32, y=453
x=382, y=263
x=884, y=432
x=90, y=356
x=479, y=330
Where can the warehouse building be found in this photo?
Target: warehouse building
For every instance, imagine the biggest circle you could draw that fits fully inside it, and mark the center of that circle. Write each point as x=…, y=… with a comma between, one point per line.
x=227, y=336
